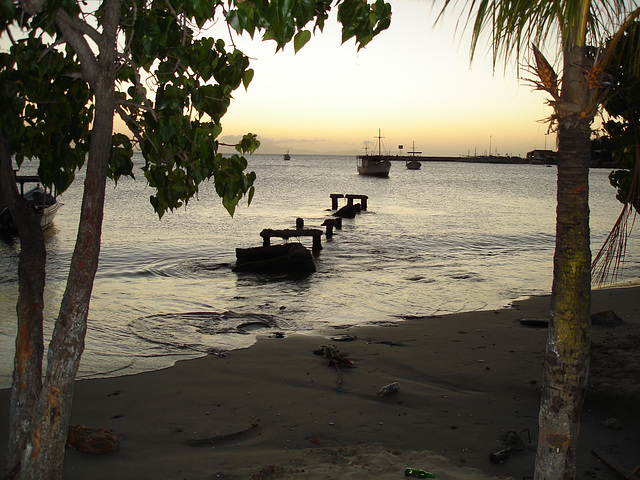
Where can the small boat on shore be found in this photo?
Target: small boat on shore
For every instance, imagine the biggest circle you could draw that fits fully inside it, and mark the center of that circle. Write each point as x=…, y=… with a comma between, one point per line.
x=40, y=199
x=374, y=165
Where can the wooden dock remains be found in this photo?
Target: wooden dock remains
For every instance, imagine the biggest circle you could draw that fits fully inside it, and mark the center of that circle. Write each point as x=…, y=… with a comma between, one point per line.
x=350, y=198
x=363, y=200
x=268, y=233
x=295, y=257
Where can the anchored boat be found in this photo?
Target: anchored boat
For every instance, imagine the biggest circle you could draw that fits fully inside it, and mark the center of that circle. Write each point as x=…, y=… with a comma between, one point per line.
x=374, y=165
x=41, y=200
x=414, y=164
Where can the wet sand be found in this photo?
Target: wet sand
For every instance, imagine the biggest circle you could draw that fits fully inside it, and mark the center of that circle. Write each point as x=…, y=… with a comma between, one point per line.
x=279, y=410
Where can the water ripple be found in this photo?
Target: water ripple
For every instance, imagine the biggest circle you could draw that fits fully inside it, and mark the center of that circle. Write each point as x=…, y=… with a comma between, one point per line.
x=203, y=331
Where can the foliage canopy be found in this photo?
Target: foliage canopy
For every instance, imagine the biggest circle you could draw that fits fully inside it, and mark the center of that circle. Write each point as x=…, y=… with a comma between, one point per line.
x=174, y=84
x=623, y=107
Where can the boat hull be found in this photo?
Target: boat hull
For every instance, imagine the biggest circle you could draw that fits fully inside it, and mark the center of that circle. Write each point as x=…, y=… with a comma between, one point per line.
x=49, y=214
x=41, y=202
x=373, y=165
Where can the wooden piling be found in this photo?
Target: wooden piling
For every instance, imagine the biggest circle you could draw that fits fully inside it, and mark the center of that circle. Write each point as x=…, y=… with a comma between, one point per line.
x=362, y=198
x=329, y=223
x=334, y=200
x=267, y=233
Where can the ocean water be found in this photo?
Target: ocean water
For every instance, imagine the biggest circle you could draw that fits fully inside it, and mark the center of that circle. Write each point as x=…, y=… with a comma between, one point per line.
x=449, y=237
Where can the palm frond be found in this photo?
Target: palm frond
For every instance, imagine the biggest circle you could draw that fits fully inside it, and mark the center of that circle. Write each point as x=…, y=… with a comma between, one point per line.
x=622, y=31
x=514, y=24
x=548, y=78
x=609, y=261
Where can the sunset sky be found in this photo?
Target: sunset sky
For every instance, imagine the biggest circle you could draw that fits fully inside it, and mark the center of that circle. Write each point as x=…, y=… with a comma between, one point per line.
x=413, y=82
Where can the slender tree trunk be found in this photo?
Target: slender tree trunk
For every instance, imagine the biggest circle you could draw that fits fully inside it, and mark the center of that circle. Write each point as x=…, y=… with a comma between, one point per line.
x=566, y=362
x=27, y=371
x=44, y=453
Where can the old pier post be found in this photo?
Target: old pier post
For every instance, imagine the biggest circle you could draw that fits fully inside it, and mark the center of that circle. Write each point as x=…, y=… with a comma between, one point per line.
x=329, y=223
x=334, y=200
x=362, y=198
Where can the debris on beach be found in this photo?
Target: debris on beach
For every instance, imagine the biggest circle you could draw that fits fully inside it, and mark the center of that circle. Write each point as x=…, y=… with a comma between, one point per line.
x=221, y=438
x=389, y=389
x=343, y=338
x=334, y=355
x=418, y=473
x=92, y=440
x=535, y=322
x=514, y=444
x=336, y=359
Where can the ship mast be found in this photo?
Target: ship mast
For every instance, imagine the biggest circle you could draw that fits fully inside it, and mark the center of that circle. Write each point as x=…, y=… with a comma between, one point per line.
x=379, y=137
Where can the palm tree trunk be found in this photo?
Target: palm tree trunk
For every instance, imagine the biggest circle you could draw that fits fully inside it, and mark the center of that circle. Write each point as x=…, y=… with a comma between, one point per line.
x=566, y=362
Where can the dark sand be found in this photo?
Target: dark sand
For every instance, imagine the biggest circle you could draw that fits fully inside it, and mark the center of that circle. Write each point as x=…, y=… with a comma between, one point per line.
x=277, y=410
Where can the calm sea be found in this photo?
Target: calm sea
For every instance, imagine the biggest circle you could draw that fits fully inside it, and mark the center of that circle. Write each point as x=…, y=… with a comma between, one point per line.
x=449, y=237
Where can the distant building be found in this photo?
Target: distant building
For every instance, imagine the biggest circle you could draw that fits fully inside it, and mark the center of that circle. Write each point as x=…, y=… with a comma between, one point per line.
x=600, y=156
x=542, y=157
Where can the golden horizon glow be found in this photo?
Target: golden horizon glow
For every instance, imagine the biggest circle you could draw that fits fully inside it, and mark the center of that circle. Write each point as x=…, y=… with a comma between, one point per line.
x=413, y=82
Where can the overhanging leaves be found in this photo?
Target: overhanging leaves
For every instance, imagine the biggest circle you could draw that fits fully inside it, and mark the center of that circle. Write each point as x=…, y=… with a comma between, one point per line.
x=175, y=84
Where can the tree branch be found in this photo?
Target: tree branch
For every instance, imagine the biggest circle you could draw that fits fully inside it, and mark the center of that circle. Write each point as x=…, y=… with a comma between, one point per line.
x=31, y=6
x=73, y=34
x=129, y=120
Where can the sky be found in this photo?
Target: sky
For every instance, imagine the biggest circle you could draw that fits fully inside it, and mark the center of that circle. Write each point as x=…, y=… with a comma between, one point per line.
x=413, y=82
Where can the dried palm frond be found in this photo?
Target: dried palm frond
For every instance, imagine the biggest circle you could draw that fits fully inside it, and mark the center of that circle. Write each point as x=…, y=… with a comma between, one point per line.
x=545, y=72
x=609, y=260
x=593, y=76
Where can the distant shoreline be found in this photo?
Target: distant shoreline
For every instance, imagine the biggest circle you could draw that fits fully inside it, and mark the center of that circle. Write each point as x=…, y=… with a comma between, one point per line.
x=494, y=159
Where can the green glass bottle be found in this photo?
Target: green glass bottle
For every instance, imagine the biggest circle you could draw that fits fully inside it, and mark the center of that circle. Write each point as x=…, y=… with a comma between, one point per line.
x=417, y=473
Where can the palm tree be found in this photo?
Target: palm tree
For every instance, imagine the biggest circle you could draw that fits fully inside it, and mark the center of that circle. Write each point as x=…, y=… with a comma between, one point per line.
x=576, y=28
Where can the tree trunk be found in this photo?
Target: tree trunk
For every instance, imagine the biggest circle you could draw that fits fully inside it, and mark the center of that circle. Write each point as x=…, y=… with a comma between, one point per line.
x=27, y=371
x=44, y=453
x=566, y=362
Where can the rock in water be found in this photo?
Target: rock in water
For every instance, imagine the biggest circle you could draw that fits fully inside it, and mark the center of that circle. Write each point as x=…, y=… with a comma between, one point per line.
x=348, y=211
x=290, y=257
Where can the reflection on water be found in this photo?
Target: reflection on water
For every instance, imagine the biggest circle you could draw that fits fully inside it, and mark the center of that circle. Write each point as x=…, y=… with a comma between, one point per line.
x=449, y=237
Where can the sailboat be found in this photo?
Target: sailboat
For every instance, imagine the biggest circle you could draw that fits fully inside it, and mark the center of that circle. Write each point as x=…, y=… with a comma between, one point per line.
x=286, y=156
x=374, y=165
x=414, y=164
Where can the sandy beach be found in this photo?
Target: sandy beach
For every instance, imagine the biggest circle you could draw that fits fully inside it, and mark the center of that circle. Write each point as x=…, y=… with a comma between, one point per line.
x=307, y=406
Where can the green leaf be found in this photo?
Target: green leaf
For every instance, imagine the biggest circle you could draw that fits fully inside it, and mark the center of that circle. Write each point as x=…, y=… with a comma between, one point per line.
x=248, y=144
x=248, y=76
x=300, y=40
x=7, y=11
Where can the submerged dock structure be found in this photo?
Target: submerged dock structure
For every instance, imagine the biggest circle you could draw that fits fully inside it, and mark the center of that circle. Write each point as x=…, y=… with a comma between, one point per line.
x=294, y=257
x=286, y=234
x=350, y=198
